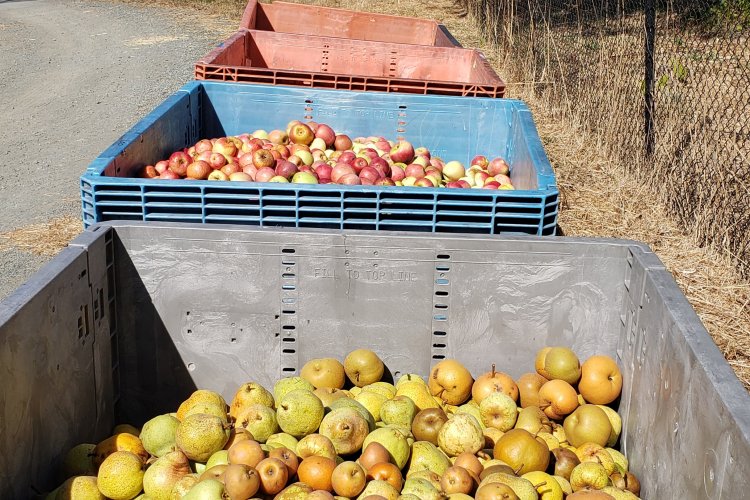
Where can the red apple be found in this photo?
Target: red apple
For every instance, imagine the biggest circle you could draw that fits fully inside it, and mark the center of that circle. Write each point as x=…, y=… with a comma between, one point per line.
x=370, y=153
x=323, y=171
x=295, y=159
x=240, y=176
x=369, y=173
x=206, y=156
x=385, y=181
x=347, y=157
x=278, y=137
x=178, y=163
x=276, y=155
x=191, y=152
x=437, y=163
x=203, y=145
x=453, y=184
x=464, y=184
x=217, y=160
x=480, y=178
x=286, y=169
x=265, y=174
x=313, y=125
x=480, y=161
x=424, y=182
x=283, y=151
x=397, y=173
x=402, y=152
x=301, y=134
x=231, y=168
x=414, y=170
x=198, y=170
x=498, y=166
x=245, y=160
x=342, y=142
x=383, y=145
x=250, y=170
x=168, y=174
x=340, y=170
x=218, y=175
x=263, y=158
x=317, y=154
x=225, y=146
x=326, y=133
x=349, y=179
x=162, y=166
x=359, y=163
x=381, y=166
x=422, y=151
x=149, y=172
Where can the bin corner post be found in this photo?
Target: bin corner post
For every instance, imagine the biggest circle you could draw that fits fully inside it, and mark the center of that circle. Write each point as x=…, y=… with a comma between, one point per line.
x=649, y=9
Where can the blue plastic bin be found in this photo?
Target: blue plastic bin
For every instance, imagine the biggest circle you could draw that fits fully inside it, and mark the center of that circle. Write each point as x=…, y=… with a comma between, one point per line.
x=451, y=127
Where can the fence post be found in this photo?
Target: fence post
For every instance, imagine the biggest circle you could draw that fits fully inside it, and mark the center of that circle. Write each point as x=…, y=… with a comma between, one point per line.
x=649, y=9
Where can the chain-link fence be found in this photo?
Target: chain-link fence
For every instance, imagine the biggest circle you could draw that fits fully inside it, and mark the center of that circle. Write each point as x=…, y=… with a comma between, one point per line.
x=663, y=85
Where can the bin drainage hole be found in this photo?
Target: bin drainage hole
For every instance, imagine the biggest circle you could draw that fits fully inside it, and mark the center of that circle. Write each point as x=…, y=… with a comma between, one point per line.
x=191, y=367
x=233, y=340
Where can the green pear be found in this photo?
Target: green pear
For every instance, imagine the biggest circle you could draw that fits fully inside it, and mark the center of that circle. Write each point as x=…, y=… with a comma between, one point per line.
x=158, y=435
x=295, y=491
x=346, y=428
x=589, y=475
x=386, y=389
x=79, y=461
x=534, y=420
x=207, y=408
x=409, y=377
x=299, y=413
x=421, y=488
x=161, y=476
x=79, y=487
x=208, y=489
x=460, y=434
x=259, y=420
x=380, y=488
x=587, y=424
x=616, y=423
x=183, y=485
x=282, y=440
x=350, y=403
x=419, y=393
x=201, y=435
x=221, y=457
x=393, y=441
x=499, y=411
x=286, y=385
x=522, y=487
x=471, y=408
x=619, y=494
x=400, y=410
x=427, y=456
x=619, y=458
x=371, y=400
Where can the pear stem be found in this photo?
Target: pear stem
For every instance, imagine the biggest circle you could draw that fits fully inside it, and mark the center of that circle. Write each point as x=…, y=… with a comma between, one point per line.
x=493, y=370
x=516, y=471
x=540, y=484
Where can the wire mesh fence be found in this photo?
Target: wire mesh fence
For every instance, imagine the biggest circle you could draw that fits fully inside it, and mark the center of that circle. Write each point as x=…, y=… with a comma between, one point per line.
x=662, y=85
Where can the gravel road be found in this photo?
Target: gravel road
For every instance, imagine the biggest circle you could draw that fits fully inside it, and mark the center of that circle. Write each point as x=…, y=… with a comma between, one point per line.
x=74, y=76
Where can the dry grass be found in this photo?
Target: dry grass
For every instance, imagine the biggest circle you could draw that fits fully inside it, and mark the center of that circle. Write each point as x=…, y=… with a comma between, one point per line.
x=600, y=197
x=45, y=238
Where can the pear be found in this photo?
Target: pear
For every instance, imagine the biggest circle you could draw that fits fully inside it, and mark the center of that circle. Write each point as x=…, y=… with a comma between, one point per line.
x=354, y=405
x=299, y=413
x=363, y=367
x=346, y=428
x=120, y=476
x=522, y=451
x=522, y=487
x=324, y=372
x=183, y=485
x=221, y=457
x=565, y=462
x=461, y=434
x=200, y=396
x=316, y=444
x=373, y=401
x=207, y=408
x=619, y=494
x=288, y=384
x=392, y=440
x=79, y=461
x=619, y=458
x=79, y=488
x=418, y=393
x=493, y=491
x=558, y=363
x=240, y=481
x=564, y=484
x=588, y=475
x=472, y=409
x=616, y=423
x=587, y=424
x=208, y=489
x=548, y=438
x=400, y=410
x=162, y=475
x=380, y=488
x=259, y=420
x=295, y=491
x=450, y=381
x=427, y=456
x=410, y=377
x=546, y=486
x=248, y=394
x=626, y=481
x=386, y=389
x=491, y=437
x=421, y=488
x=591, y=452
x=282, y=440
x=158, y=435
x=534, y=420
x=498, y=410
x=427, y=423
x=428, y=476
x=327, y=396
x=201, y=435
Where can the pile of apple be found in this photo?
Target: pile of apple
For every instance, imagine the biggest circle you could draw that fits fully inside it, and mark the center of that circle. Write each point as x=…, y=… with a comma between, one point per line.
x=312, y=153
x=338, y=429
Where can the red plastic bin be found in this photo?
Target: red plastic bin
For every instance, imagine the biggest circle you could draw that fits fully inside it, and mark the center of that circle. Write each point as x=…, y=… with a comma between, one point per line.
x=271, y=58
x=283, y=17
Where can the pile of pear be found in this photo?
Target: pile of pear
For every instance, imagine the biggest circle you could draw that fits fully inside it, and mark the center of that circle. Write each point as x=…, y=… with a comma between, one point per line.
x=339, y=431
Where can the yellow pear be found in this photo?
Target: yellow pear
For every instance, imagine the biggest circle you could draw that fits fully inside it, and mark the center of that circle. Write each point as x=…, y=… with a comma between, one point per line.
x=546, y=486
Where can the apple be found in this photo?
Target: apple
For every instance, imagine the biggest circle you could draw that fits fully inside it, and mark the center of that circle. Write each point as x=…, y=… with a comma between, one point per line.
x=260, y=134
x=304, y=178
x=491, y=185
x=231, y=168
x=218, y=175
x=480, y=178
x=480, y=161
x=397, y=173
x=318, y=143
x=359, y=163
x=498, y=166
x=225, y=146
x=408, y=181
x=402, y=152
x=437, y=163
x=217, y=160
x=251, y=146
x=250, y=170
x=502, y=179
x=464, y=183
x=340, y=170
x=240, y=176
x=324, y=171
x=168, y=174
x=286, y=169
x=342, y=142
x=191, y=152
x=245, y=159
x=381, y=166
x=278, y=137
x=206, y=156
x=296, y=148
x=453, y=184
x=370, y=154
x=425, y=182
x=290, y=125
x=178, y=163
x=349, y=179
x=326, y=134
x=318, y=154
x=283, y=151
x=369, y=173
x=295, y=159
x=414, y=170
x=264, y=174
x=305, y=156
x=422, y=151
x=347, y=157
x=300, y=133
x=149, y=172
x=203, y=145
x=385, y=181
x=263, y=158
x=278, y=178
x=421, y=160
x=313, y=125
x=454, y=170
x=161, y=166
x=198, y=170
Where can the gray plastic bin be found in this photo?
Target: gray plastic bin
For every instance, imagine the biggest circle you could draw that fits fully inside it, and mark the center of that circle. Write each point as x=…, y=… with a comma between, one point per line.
x=131, y=317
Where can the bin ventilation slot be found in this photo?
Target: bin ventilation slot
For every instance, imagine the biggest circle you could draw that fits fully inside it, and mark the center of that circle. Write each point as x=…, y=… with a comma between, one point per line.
x=287, y=250
x=443, y=256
